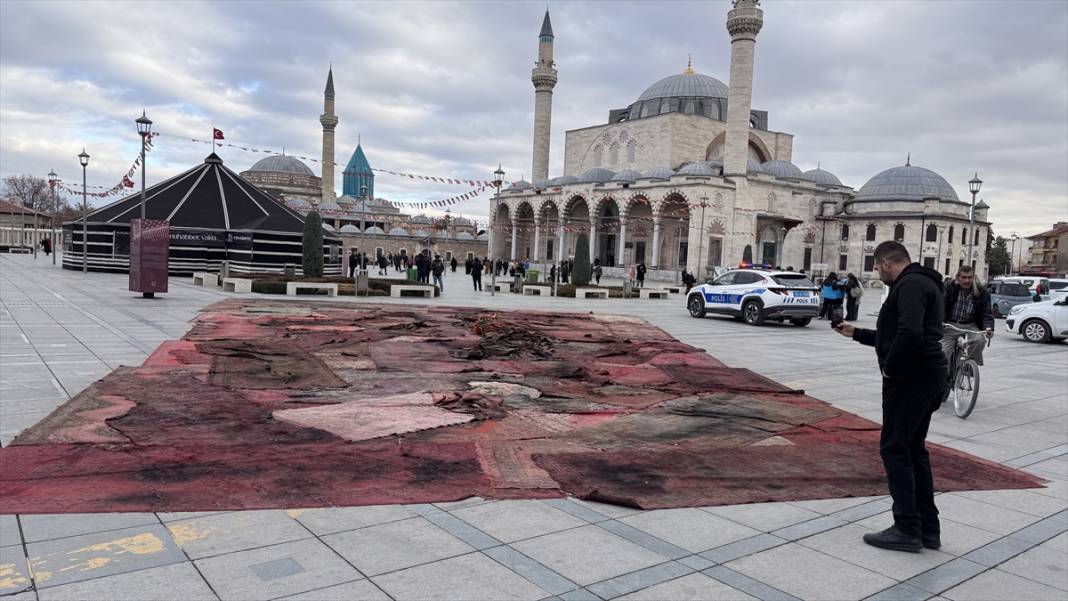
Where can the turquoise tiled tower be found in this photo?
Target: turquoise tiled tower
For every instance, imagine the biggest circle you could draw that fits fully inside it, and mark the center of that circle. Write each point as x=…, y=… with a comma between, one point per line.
x=358, y=174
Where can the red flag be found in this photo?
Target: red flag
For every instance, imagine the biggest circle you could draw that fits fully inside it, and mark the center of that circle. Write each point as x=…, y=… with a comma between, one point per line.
x=217, y=134
x=126, y=181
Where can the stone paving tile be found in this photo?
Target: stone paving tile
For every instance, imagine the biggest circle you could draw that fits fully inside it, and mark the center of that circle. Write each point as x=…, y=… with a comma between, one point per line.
x=237, y=531
x=806, y=574
x=804, y=529
x=76, y=558
x=693, y=587
x=580, y=594
x=1040, y=564
x=635, y=581
x=829, y=506
x=696, y=562
x=9, y=531
x=26, y=596
x=1024, y=501
x=14, y=571
x=644, y=539
x=690, y=528
x=461, y=530
x=275, y=571
x=900, y=592
x=748, y=585
x=454, y=505
x=533, y=571
x=362, y=590
x=997, y=585
x=1043, y=530
x=473, y=577
x=846, y=544
x=981, y=515
x=1058, y=543
x=947, y=575
x=578, y=510
x=998, y=551
x=764, y=517
x=517, y=520
x=38, y=527
x=612, y=511
x=396, y=545
x=185, y=515
x=338, y=519
x=581, y=556
x=175, y=582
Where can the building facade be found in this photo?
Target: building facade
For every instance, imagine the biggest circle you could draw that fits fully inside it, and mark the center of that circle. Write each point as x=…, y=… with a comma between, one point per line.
x=1049, y=251
x=689, y=176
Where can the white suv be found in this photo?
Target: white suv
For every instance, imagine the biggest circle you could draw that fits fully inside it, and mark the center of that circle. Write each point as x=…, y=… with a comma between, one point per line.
x=1040, y=322
x=756, y=295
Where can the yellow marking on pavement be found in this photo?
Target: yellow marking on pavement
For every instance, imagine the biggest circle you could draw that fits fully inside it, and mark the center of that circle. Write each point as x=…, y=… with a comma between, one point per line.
x=295, y=513
x=140, y=544
x=10, y=577
x=91, y=564
x=39, y=574
x=186, y=533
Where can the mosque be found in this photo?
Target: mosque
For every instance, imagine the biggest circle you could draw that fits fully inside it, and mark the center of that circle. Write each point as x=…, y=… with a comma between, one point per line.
x=690, y=176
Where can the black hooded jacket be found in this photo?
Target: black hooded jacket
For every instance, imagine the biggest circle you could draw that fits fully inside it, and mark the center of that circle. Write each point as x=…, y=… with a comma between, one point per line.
x=908, y=333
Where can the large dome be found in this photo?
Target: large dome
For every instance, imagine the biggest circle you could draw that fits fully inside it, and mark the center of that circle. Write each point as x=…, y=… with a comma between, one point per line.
x=685, y=85
x=907, y=182
x=281, y=163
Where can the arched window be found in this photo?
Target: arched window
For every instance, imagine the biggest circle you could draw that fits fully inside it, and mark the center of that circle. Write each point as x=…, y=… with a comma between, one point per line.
x=899, y=233
x=632, y=152
x=976, y=237
x=689, y=109
x=870, y=234
x=613, y=155
x=949, y=238
x=932, y=233
x=597, y=155
x=845, y=231
x=963, y=235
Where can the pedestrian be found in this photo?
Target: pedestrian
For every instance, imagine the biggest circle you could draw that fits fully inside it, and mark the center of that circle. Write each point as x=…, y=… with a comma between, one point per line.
x=46, y=246
x=467, y=266
x=907, y=340
x=968, y=308
x=552, y=273
x=453, y=263
x=853, y=291
x=597, y=272
x=382, y=265
x=363, y=262
x=437, y=268
x=832, y=294
x=688, y=280
x=476, y=274
x=354, y=262
x=565, y=271
x=640, y=271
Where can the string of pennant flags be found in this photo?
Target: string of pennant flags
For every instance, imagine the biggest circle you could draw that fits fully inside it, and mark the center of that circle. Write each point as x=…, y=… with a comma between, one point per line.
x=119, y=188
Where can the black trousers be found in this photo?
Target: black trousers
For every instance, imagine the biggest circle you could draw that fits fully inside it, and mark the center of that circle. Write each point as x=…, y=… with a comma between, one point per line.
x=907, y=408
x=477, y=281
x=852, y=308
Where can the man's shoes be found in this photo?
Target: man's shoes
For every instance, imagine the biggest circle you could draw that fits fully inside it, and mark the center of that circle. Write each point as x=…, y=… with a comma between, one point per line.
x=931, y=541
x=895, y=540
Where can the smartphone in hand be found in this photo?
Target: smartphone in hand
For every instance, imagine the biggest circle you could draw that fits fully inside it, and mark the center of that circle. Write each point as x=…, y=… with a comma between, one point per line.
x=837, y=317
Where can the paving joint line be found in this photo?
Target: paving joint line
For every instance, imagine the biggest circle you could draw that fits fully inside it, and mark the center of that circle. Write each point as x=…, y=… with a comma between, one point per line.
x=342, y=557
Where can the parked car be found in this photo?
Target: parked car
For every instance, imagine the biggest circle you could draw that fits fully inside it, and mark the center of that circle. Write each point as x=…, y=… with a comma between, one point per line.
x=1058, y=288
x=1040, y=322
x=756, y=295
x=1006, y=294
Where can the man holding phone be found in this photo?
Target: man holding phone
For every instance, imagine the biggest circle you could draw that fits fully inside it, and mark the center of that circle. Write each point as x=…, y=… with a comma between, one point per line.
x=907, y=342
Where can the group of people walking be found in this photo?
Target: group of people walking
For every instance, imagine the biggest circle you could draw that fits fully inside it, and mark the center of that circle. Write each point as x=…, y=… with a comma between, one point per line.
x=837, y=291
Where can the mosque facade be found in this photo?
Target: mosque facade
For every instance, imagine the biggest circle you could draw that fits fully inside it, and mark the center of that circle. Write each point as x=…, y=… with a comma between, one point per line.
x=690, y=176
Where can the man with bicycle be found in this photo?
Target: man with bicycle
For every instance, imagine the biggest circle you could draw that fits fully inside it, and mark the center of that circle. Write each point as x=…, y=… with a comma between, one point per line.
x=967, y=306
x=907, y=345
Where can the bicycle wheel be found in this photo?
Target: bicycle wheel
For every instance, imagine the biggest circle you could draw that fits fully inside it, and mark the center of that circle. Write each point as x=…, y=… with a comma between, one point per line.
x=966, y=388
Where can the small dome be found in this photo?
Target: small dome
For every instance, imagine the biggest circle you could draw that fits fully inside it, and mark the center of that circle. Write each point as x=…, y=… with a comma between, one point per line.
x=462, y=221
x=281, y=163
x=348, y=228
x=685, y=85
x=440, y=235
x=299, y=203
x=398, y=231
x=346, y=201
x=782, y=169
x=329, y=205
x=907, y=182
x=420, y=233
x=520, y=185
x=374, y=230
x=543, y=183
x=982, y=205
x=563, y=180
x=597, y=175
x=419, y=219
x=627, y=176
x=696, y=169
x=328, y=227
x=659, y=173
x=715, y=163
x=483, y=236
x=464, y=236
x=753, y=167
x=821, y=177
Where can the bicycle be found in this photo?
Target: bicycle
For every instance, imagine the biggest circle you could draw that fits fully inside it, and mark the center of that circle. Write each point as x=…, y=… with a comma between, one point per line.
x=964, y=385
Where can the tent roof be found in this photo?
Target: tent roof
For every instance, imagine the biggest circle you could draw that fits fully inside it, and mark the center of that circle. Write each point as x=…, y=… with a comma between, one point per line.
x=208, y=196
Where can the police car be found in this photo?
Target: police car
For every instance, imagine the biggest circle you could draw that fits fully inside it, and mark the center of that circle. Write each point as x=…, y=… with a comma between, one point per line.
x=756, y=295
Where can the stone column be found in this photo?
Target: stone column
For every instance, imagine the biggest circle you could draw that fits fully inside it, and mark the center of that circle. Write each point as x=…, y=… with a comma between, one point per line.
x=622, y=240
x=561, y=255
x=656, y=242
x=514, y=231
x=593, y=239
x=537, y=240
x=743, y=23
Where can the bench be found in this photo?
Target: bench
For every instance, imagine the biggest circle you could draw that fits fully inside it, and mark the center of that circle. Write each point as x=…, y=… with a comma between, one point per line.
x=203, y=278
x=237, y=285
x=293, y=287
x=537, y=290
x=674, y=289
x=398, y=290
x=652, y=293
x=19, y=250
x=501, y=287
x=591, y=292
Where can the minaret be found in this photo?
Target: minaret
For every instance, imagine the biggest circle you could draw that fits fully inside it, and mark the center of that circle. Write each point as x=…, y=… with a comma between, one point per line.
x=743, y=23
x=329, y=121
x=544, y=79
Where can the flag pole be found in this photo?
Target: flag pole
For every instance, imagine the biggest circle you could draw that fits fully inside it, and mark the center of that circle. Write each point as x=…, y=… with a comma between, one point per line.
x=212, y=139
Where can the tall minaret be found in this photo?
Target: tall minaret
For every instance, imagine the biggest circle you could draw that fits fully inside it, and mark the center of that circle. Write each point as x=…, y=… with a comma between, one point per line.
x=743, y=23
x=329, y=121
x=544, y=79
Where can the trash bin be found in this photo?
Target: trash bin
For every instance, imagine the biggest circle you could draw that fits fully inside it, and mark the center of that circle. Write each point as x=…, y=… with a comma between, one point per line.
x=628, y=288
x=413, y=274
x=533, y=276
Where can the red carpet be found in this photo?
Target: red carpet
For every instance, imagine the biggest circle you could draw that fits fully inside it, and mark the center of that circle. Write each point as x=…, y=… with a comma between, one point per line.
x=266, y=404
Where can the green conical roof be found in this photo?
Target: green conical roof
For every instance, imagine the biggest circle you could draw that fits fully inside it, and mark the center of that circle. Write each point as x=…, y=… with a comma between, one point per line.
x=358, y=162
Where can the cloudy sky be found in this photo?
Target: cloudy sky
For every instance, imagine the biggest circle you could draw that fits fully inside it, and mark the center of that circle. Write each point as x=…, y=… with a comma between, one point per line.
x=444, y=89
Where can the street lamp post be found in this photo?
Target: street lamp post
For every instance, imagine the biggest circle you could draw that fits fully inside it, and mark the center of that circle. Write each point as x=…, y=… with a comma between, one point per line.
x=498, y=181
x=83, y=158
x=52, y=178
x=144, y=127
x=938, y=261
x=701, y=233
x=1019, y=252
x=973, y=186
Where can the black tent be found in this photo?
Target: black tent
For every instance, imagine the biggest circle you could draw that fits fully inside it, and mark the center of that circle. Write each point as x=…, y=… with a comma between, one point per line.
x=215, y=216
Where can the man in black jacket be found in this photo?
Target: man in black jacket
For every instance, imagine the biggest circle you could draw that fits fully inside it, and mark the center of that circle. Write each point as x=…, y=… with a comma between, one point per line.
x=967, y=306
x=907, y=344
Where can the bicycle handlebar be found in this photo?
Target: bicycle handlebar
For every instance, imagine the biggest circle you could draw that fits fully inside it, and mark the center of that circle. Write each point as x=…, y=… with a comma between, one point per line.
x=969, y=333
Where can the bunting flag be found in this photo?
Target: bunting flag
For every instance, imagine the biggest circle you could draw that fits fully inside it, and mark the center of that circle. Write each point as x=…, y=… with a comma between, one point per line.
x=117, y=189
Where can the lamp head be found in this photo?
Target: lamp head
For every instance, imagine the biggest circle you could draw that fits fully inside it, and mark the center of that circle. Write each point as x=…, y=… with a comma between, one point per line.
x=144, y=124
x=52, y=177
x=498, y=177
x=83, y=158
x=974, y=184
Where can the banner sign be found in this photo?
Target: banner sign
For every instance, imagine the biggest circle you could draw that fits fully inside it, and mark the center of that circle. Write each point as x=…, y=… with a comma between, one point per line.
x=184, y=237
x=149, y=253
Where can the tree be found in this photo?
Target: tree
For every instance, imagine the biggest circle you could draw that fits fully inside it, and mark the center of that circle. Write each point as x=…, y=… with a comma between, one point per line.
x=312, y=245
x=580, y=275
x=30, y=191
x=998, y=259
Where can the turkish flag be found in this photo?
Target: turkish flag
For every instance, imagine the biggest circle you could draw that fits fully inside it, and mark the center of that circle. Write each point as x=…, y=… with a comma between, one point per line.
x=126, y=181
x=217, y=134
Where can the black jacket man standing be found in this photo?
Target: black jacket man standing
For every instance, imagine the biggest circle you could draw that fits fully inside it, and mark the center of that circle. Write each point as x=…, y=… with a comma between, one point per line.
x=907, y=343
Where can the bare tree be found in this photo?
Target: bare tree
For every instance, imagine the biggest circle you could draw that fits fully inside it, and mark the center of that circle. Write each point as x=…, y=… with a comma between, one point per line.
x=30, y=191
